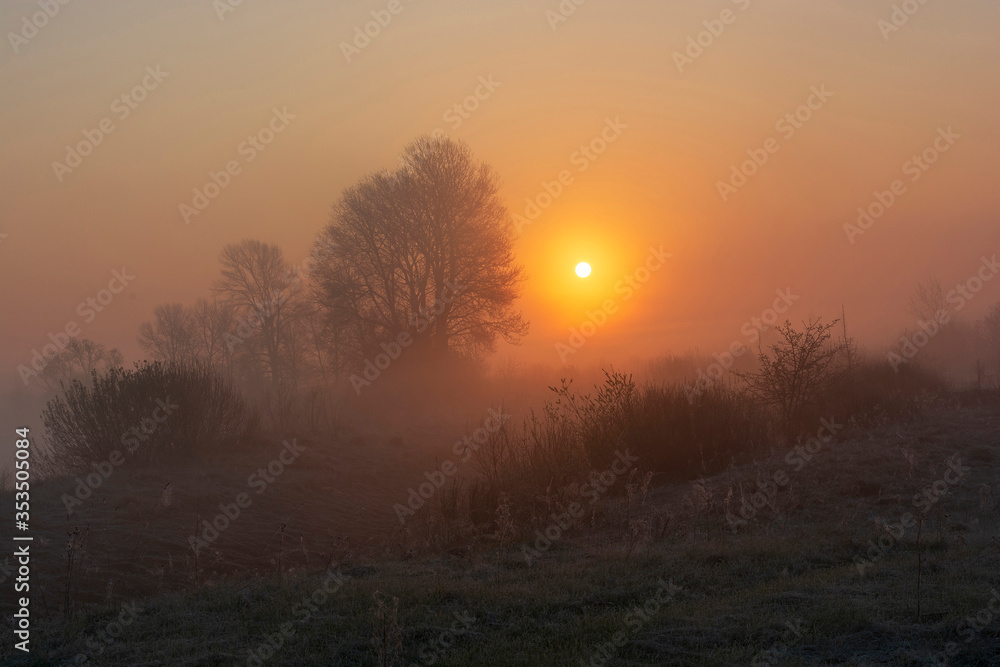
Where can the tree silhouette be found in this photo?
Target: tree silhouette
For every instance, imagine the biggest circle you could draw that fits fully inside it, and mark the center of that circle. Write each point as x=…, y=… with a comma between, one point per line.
x=989, y=330
x=261, y=288
x=80, y=358
x=170, y=336
x=989, y=327
x=422, y=256
x=928, y=300
x=796, y=370
x=212, y=321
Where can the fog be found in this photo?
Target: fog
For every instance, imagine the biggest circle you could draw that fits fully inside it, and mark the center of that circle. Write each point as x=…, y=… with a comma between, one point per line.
x=352, y=231
x=530, y=94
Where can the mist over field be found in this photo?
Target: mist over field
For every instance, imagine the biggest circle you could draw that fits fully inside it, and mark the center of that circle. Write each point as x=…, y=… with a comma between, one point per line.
x=571, y=332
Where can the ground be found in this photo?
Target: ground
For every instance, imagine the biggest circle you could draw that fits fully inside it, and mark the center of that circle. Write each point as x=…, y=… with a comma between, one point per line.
x=829, y=570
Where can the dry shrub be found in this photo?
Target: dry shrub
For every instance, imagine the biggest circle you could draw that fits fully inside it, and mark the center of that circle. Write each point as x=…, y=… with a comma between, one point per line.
x=542, y=463
x=87, y=422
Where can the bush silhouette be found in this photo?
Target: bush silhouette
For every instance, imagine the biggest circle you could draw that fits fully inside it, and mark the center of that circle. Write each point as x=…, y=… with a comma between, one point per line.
x=151, y=414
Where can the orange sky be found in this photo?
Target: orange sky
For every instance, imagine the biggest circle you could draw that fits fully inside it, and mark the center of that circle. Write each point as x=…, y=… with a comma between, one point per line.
x=608, y=65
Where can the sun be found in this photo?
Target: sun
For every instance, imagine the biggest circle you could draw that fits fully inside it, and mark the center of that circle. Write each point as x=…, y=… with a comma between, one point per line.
x=583, y=269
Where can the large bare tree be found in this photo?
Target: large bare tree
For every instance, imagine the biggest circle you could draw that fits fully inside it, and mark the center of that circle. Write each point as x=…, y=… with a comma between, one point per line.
x=425, y=252
x=928, y=302
x=989, y=327
x=170, y=336
x=258, y=283
x=77, y=361
x=989, y=331
x=797, y=370
x=212, y=321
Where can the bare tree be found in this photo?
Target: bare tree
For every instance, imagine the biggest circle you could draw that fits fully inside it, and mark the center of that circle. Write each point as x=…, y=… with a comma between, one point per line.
x=78, y=360
x=320, y=351
x=989, y=328
x=928, y=300
x=425, y=253
x=258, y=283
x=796, y=370
x=170, y=336
x=212, y=320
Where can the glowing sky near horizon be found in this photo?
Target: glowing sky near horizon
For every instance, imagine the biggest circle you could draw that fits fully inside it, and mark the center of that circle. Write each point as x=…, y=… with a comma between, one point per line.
x=605, y=148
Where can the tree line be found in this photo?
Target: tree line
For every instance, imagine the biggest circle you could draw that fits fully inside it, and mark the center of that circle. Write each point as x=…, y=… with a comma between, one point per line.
x=422, y=253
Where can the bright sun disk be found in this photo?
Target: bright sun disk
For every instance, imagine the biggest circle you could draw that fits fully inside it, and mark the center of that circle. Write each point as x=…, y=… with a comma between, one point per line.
x=583, y=269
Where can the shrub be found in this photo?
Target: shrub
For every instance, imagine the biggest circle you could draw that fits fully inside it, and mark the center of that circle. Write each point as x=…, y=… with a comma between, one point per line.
x=797, y=370
x=542, y=463
x=672, y=434
x=683, y=439
x=543, y=453
x=871, y=392
x=154, y=413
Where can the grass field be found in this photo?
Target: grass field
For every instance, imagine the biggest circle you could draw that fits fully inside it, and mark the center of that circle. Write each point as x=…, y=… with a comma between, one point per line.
x=821, y=567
